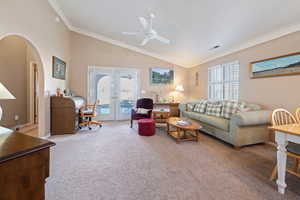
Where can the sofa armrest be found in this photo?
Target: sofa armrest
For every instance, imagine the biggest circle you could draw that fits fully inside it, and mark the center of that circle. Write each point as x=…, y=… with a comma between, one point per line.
x=183, y=107
x=252, y=118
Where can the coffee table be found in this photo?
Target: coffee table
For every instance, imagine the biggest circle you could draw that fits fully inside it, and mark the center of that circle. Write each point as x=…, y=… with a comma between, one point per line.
x=183, y=133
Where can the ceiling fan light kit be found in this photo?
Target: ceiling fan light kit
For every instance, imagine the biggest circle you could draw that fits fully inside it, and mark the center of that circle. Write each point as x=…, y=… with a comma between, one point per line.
x=148, y=32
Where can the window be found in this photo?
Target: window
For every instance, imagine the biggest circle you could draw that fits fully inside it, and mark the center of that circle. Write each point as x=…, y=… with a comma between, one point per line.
x=223, y=81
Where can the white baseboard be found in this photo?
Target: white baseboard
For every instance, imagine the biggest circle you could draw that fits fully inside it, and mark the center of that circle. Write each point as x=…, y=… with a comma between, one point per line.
x=46, y=136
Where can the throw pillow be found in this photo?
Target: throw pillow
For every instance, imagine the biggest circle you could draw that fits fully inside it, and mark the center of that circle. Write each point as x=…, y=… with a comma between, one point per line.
x=142, y=111
x=231, y=107
x=201, y=106
x=214, y=109
x=190, y=107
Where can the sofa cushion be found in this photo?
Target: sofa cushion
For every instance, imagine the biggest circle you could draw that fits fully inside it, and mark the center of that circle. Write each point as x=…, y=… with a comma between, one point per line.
x=214, y=109
x=231, y=107
x=190, y=107
x=201, y=106
x=217, y=122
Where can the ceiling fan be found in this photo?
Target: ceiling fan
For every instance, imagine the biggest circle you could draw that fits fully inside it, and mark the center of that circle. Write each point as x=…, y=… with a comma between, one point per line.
x=148, y=32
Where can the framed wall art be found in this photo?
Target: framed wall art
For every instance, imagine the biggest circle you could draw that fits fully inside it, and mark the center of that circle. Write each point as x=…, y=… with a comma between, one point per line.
x=161, y=76
x=59, y=68
x=278, y=66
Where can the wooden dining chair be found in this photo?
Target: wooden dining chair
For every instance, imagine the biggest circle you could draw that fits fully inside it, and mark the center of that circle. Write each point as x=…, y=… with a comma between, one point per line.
x=284, y=117
x=298, y=115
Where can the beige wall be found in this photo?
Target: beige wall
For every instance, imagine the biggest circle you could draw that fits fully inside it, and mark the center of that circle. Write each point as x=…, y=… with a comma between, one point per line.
x=86, y=51
x=13, y=74
x=272, y=92
x=35, y=21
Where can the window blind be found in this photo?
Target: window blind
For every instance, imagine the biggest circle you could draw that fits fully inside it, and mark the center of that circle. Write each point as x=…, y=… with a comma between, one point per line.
x=223, y=81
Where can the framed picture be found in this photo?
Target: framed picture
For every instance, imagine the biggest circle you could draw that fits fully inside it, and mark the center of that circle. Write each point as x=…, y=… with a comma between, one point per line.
x=197, y=79
x=278, y=66
x=59, y=68
x=161, y=76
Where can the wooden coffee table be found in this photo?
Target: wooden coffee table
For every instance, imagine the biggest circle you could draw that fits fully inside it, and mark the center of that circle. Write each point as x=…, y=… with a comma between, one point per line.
x=183, y=133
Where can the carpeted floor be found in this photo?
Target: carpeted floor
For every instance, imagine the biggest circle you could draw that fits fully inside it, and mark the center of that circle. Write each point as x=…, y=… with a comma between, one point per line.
x=114, y=163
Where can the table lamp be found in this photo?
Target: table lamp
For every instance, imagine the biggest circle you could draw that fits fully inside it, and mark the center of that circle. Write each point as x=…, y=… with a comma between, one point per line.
x=4, y=94
x=179, y=88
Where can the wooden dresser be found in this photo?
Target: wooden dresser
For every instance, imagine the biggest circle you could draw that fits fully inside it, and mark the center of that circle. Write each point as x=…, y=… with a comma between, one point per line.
x=24, y=166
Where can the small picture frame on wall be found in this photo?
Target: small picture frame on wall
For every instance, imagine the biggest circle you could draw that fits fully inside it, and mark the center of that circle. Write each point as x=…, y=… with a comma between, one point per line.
x=58, y=68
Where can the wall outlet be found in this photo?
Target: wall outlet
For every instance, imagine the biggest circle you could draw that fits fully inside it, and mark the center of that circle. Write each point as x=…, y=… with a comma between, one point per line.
x=16, y=117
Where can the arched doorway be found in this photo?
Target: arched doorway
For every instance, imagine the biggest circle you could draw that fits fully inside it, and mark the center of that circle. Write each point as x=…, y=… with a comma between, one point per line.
x=22, y=72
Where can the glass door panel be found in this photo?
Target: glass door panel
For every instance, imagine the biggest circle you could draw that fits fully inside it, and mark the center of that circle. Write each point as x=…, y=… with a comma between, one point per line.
x=127, y=93
x=100, y=90
x=116, y=90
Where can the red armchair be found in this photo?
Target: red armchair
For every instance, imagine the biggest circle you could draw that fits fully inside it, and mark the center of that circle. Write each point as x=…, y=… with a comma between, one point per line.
x=145, y=103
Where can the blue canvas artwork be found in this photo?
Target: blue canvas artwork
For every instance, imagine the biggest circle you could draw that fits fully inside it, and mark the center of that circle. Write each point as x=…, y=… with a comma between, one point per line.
x=279, y=66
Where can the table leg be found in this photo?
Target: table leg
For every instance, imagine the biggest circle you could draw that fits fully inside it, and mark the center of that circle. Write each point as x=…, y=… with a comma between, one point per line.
x=178, y=136
x=281, y=160
x=168, y=128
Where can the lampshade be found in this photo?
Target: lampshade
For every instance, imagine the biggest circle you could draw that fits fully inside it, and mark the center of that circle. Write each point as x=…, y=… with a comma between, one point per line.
x=179, y=88
x=4, y=93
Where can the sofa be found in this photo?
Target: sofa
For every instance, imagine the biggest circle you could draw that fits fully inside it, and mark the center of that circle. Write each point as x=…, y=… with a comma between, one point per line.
x=244, y=126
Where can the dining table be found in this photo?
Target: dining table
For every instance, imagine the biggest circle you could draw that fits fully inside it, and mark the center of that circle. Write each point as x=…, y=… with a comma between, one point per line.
x=283, y=135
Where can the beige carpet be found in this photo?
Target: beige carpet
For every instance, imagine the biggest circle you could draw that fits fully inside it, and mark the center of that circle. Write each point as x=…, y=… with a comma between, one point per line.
x=114, y=163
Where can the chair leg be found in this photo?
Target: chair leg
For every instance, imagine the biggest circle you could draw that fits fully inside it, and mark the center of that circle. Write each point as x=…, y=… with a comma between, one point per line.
x=274, y=173
x=131, y=123
x=296, y=165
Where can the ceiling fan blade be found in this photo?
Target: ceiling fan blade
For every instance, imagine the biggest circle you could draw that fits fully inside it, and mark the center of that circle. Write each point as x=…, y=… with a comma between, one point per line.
x=152, y=16
x=145, y=41
x=130, y=33
x=144, y=22
x=162, y=39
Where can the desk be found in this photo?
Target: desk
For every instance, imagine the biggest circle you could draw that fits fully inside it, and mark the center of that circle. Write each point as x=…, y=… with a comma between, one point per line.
x=283, y=135
x=24, y=166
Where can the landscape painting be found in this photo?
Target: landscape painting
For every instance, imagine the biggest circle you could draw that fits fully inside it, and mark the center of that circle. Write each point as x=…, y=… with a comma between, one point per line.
x=279, y=66
x=161, y=76
x=59, y=68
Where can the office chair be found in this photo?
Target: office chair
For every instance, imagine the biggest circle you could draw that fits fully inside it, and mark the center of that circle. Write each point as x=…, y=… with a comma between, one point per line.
x=86, y=115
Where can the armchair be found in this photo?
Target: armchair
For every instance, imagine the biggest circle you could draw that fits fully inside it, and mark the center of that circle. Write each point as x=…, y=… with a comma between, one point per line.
x=145, y=103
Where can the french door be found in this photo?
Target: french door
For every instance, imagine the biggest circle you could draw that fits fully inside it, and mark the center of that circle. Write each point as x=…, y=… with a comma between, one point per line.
x=115, y=89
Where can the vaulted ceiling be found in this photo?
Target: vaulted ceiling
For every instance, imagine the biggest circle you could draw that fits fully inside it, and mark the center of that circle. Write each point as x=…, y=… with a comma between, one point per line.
x=193, y=26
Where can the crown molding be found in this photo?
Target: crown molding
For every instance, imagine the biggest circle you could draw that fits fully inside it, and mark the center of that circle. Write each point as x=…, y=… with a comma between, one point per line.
x=60, y=13
x=250, y=43
x=256, y=41
x=97, y=36
x=124, y=45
